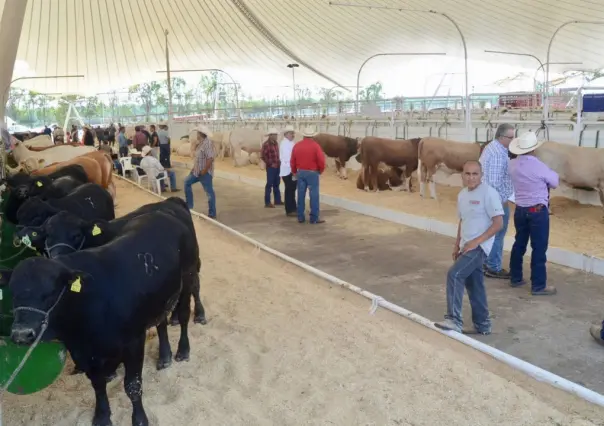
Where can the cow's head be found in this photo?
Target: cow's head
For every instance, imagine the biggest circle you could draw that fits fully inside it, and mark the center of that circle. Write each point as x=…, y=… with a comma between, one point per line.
x=38, y=286
x=19, y=185
x=39, y=184
x=34, y=212
x=67, y=233
x=31, y=164
x=31, y=236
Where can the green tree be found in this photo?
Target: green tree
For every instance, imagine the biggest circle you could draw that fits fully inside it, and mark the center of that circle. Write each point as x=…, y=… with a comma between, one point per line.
x=147, y=94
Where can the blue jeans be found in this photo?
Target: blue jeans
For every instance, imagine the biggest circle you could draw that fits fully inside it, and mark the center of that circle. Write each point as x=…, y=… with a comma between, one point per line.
x=308, y=179
x=530, y=225
x=171, y=176
x=208, y=187
x=495, y=258
x=272, y=183
x=467, y=272
x=164, y=155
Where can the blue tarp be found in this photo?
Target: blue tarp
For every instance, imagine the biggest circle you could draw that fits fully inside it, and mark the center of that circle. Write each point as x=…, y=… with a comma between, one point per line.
x=593, y=102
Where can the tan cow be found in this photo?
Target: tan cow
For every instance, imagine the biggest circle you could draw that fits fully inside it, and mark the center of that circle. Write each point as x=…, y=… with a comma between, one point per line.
x=578, y=167
x=400, y=154
x=38, y=141
x=388, y=178
x=341, y=148
x=56, y=155
x=448, y=156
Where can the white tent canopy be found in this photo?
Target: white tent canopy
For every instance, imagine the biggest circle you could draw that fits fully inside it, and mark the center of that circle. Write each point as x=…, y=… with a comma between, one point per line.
x=116, y=43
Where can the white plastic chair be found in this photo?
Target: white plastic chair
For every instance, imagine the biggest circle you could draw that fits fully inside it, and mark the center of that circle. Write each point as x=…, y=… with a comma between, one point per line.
x=126, y=163
x=162, y=176
x=139, y=174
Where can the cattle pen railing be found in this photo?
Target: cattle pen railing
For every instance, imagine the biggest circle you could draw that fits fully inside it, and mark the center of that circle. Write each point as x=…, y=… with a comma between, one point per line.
x=533, y=371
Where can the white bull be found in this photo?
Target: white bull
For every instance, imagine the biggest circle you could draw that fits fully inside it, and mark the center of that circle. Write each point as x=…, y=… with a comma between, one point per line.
x=49, y=156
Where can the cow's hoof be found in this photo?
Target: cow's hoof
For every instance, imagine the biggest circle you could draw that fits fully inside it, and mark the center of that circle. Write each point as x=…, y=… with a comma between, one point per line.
x=182, y=356
x=164, y=363
x=174, y=321
x=200, y=319
x=101, y=421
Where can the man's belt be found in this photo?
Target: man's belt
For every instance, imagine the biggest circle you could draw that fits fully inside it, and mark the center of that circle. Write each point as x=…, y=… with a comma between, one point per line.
x=536, y=208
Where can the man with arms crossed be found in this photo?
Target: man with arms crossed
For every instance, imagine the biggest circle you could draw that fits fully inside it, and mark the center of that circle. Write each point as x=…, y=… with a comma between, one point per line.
x=480, y=218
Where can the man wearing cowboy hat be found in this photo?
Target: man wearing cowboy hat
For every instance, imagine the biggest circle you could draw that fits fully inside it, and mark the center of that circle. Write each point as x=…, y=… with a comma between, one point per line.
x=153, y=169
x=285, y=155
x=307, y=164
x=270, y=155
x=203, y=171
x=494, y=160
x=531, y=179
x=164, y=144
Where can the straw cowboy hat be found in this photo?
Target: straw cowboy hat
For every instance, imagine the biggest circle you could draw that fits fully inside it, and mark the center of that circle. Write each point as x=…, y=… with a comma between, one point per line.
x=163, y=123
x=134, y=151
x=524, y=144
x=204, y=130
x=272, y=131
x=146, y=150
x=288, y=129
x=309, y=132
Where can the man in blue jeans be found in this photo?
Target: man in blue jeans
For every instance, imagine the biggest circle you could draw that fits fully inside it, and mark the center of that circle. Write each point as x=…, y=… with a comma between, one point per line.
x=307, y=163
x=531, y=179
x=480, y=217
x=270, y=156
x=494, y=160
x=203, y=171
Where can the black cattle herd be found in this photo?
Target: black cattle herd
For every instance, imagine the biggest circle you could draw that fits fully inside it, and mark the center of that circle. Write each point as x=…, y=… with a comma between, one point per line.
x=101, y=282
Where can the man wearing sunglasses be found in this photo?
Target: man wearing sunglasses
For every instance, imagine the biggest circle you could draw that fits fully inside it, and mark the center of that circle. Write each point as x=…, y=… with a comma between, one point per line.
x=495, y=161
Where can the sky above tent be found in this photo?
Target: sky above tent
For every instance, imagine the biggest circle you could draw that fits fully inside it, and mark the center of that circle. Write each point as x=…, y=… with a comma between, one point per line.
x=117, y=43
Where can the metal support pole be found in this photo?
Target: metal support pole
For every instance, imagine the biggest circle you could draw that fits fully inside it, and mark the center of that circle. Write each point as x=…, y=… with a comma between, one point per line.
x=356, y=108
x=549, y=48
x=169, y=81
x=293, y=66
x=217, y=70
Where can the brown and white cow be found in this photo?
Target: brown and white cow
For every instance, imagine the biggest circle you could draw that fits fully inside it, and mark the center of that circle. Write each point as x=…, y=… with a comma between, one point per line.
x=448, y=156
x=401, y=154
x=341, y=148
x=388, y=178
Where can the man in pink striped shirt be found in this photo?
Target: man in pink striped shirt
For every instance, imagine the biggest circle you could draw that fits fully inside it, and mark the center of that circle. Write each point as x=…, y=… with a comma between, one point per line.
x=531, y=179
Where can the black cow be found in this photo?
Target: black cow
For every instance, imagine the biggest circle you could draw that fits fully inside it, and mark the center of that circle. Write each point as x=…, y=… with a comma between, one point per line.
x=66, y=232
x=100, y=302
x=55, y=185
x=88, y=201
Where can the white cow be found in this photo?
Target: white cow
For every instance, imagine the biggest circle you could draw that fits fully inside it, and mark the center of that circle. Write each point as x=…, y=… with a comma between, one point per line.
x=39, y=141
x=184, y=150
x=49, y=156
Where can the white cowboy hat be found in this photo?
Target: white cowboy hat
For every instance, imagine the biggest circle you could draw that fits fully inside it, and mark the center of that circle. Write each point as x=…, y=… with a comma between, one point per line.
x=146, y=150
x=163, y=123
x=289, y=128
x=272, y=131
x=524, y=144
x=204, y=130
x=309, y=132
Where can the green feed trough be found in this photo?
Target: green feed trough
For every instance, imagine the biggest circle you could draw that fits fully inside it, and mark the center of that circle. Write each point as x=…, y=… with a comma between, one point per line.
x=47, y=360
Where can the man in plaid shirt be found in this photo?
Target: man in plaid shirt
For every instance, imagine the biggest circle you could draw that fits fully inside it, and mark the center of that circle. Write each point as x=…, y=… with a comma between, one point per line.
x=270, y=156
x=495, y=163
x=203, y=171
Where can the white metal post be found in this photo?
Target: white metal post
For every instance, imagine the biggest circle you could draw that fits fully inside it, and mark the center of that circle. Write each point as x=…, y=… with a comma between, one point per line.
x=168, y=81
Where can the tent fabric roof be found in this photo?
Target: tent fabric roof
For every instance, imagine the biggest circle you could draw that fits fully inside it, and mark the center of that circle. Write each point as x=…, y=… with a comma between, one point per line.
x=116, y=43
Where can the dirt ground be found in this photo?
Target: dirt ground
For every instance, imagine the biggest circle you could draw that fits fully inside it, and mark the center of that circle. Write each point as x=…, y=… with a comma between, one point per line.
x=573, y=226
x=285, y=348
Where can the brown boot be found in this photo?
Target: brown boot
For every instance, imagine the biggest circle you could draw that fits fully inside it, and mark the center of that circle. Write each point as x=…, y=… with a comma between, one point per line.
x=596, y=333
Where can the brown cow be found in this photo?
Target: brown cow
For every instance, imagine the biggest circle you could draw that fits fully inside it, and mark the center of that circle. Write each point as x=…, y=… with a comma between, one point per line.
x=449, y=156
x=388, y=178
x=341, y=148
x=400, y=154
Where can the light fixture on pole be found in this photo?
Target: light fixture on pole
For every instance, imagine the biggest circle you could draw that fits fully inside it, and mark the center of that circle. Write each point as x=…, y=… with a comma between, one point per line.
x=463, y=41
x=549, y=48
x=293, y=67
x=385, y=54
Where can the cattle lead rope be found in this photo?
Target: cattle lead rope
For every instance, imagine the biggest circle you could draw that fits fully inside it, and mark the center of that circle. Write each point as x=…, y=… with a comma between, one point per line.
x=32, y=347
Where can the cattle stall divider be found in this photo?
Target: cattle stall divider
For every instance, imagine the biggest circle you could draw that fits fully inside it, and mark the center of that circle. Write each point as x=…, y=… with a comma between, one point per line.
x=584, y=262
x=533, y=371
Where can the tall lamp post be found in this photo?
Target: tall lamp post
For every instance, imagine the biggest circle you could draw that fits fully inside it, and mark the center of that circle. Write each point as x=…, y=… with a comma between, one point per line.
x=293, y=66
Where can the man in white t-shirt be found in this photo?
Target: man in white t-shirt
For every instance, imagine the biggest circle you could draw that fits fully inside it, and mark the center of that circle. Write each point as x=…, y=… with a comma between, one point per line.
x=480, y=217
x=154, y=169
x=285, y=153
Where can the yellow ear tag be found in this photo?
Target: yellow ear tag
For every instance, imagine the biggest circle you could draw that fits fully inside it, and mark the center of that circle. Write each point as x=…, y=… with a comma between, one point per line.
x=96, y=231
x=76, y=286
x=39, y=184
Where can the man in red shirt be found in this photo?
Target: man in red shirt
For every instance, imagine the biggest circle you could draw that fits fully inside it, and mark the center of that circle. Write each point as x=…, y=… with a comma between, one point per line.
x=270, y=156
x=307, y=164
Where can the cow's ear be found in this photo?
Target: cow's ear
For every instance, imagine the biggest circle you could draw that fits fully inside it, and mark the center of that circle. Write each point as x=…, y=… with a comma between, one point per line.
x=5, y=275
x=95, y=229
x=77, y=281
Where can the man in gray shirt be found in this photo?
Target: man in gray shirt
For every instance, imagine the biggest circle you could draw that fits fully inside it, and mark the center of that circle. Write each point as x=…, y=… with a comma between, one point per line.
x=480, y=217
x=164, y=145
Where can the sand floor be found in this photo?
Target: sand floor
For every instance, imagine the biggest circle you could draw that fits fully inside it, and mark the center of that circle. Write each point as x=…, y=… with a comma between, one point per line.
x=285, y=348
x=573, y=226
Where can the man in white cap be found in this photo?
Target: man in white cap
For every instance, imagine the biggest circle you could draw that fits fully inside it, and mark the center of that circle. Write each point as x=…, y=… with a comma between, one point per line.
x=285, y=155
x=203, y=171
x=307, y=164
x=531, y=179
x=270, y=155
x=153, y=169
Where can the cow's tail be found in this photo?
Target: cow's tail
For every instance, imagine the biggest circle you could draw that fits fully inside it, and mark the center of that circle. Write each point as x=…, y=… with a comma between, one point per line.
x=419, y=161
